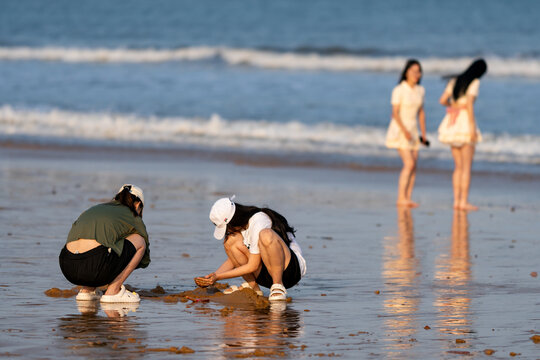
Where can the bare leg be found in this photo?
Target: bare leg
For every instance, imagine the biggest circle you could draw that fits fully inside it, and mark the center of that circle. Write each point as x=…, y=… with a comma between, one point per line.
x=238, y=253
x=275, y=254
x=87, y=289
x=412, y=180
x=140, y=245
x=409, y=164
x=467, y=156
x=457, y=175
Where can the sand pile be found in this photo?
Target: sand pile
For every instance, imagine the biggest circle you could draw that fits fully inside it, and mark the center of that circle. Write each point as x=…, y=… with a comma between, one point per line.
x=245, y=296
x=212, y=293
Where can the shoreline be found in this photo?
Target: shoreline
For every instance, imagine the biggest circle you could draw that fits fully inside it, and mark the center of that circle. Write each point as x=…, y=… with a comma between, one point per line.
x=239, y=157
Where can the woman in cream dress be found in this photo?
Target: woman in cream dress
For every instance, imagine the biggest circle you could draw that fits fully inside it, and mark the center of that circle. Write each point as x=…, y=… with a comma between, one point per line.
x=407, y=107
x=459, y=130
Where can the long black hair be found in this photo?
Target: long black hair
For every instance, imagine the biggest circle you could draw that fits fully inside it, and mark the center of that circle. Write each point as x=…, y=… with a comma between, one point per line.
x=408, y=65
x=126, y=198
x=474, y=71
x=243, y=213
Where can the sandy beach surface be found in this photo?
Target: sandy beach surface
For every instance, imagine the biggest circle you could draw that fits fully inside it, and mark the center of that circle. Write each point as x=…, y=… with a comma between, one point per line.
x=381, y=283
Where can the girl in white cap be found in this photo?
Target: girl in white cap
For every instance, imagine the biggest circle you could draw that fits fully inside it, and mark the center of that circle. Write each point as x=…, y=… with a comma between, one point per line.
x=105, y=244
x=260, y=247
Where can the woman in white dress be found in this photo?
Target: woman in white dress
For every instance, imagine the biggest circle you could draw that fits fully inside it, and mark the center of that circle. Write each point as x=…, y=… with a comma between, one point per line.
x=407, y=110
x=459, y=130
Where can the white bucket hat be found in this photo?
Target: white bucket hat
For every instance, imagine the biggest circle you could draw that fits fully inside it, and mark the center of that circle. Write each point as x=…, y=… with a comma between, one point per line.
x=221, y=214
x=134, y=190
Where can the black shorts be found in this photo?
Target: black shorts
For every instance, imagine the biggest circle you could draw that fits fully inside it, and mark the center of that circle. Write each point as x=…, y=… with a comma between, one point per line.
x=96, y=267
x=291, y=275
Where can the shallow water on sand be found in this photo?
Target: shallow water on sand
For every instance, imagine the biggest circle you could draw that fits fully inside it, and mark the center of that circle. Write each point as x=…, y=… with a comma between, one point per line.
x=381, y=282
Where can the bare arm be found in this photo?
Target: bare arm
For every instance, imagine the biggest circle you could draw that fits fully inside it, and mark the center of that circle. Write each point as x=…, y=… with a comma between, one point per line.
x=470, y=112
x=422, y=120
x=224, y=272
x=397, y=118
x=210, y=279
x=226, y=266
x=253, y=263
x=444, y=100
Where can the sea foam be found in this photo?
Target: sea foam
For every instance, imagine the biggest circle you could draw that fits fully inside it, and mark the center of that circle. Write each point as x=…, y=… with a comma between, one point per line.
x=498, y=66
x=60, y=126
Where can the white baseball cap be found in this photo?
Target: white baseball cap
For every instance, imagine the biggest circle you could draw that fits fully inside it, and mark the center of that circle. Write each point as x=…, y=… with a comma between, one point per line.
x=221, y=214
x=134, y=190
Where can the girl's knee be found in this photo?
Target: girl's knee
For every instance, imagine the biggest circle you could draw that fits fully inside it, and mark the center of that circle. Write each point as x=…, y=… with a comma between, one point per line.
x=232, y=241
x=267, y=237
x=236, y=247
x=409, y=166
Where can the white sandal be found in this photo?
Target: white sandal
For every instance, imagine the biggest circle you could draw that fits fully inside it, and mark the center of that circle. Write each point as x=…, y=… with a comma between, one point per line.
x=278, y=293
x=231, y=289
x=88, y=296
x=244, y=285
x=123, y=296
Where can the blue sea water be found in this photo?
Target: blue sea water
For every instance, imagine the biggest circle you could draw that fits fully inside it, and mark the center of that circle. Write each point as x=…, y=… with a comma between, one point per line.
x=301, y=77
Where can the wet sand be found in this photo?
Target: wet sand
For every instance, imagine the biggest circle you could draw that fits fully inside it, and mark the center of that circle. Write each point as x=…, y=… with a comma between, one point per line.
x=381, y=283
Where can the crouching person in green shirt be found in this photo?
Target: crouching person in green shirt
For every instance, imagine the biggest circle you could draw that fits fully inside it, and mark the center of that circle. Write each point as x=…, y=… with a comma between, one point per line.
x=105, y=244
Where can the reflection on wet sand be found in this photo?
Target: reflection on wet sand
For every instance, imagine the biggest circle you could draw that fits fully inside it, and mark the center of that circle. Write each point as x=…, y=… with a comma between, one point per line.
x=400, y=275
x=452, y=277
x=93, y=335
x=268, y=332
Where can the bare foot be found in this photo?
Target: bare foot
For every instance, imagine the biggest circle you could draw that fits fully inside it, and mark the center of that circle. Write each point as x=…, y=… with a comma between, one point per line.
x=407, y=203
x=468, y=207
x=413, y=205
x=85, y=289
x=112, y=290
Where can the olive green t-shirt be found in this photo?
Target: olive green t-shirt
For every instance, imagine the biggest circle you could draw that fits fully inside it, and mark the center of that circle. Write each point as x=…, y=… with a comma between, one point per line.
x=109, y=224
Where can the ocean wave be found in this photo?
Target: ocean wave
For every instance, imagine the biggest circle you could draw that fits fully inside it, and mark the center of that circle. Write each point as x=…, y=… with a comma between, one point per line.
x=295, y=60
x=332, y=50
x=215, y=132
